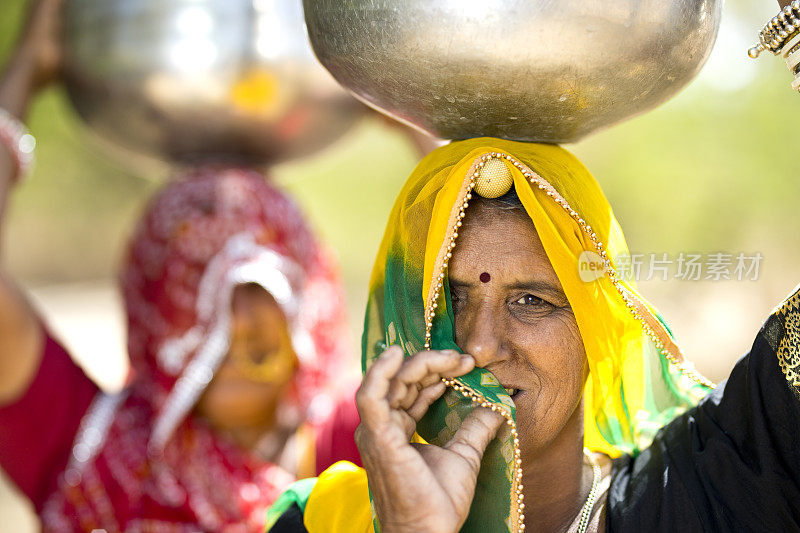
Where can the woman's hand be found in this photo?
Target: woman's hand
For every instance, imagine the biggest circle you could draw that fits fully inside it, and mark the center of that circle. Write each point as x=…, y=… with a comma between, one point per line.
x=418, y=487
x=35, y=63
x=39, y=45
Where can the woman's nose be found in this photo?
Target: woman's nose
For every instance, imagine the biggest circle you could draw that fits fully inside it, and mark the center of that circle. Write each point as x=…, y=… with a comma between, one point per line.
x=483, y=339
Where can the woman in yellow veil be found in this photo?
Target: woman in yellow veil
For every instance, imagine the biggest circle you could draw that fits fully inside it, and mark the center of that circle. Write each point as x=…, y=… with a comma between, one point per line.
x=538, y=388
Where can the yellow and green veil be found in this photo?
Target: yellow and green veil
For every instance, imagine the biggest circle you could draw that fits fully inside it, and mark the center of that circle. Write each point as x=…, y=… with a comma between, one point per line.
x=637, y=380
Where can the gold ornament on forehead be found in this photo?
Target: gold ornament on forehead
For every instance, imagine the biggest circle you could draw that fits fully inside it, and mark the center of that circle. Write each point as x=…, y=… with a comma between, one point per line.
x=494, y=180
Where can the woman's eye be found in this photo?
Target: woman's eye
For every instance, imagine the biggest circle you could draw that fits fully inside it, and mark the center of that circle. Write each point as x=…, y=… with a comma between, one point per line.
x=455, y=295
x=530, y=299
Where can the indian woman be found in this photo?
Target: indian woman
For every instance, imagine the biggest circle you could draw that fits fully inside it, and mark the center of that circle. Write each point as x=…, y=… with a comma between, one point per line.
x=236, y=332
x=514, y=381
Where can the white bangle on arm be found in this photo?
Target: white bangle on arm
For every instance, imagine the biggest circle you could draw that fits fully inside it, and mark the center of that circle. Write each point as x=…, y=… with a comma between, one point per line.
x=14, y=136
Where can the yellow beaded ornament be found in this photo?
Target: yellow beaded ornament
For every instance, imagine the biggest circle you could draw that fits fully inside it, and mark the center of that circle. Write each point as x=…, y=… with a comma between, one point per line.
x=495, y=179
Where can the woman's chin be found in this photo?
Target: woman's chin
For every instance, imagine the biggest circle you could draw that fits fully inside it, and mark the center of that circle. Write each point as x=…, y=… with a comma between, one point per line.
x=250, y=422
x=235, y=412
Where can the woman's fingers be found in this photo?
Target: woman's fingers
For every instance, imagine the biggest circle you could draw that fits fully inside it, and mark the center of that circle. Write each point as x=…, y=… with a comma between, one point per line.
x=446, y=363
x=476, y=432
x=423, y=370
x=424, y=399
x=411, y=485
x=372, y=394
x=399, y=391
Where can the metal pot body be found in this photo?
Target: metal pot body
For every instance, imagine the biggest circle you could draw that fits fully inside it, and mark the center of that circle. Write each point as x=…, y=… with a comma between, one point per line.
x=187, y=80
x=529, y=70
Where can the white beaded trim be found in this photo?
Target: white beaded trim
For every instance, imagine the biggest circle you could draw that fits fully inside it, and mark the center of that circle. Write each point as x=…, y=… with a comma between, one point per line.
x=92, y=433
x=591, y=499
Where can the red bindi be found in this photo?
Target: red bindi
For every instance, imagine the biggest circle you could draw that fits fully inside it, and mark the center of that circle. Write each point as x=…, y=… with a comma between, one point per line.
x=485, y=277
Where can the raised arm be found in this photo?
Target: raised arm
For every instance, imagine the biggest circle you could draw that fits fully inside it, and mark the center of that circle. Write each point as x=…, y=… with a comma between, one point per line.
x=33, y=65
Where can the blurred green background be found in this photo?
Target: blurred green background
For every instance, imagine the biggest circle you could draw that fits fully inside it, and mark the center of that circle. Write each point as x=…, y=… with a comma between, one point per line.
x=713, y=170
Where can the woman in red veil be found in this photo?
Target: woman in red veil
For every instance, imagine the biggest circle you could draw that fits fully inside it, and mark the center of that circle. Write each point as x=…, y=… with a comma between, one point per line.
x=236, y=331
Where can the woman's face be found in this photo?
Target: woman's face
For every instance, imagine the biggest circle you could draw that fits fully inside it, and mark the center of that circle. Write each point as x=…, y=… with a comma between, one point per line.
x=512, y=315
x=257, y=370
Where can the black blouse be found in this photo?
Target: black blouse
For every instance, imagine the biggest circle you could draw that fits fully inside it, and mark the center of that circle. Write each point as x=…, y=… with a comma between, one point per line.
x=733, y=462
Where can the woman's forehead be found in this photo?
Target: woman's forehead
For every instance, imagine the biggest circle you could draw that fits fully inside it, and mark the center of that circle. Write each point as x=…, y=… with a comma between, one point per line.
x=488, y=229
x=501, y=242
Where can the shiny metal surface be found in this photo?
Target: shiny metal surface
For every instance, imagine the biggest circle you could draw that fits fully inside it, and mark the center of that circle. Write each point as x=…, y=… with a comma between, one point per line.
x=532, y=70
x=190, y=79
